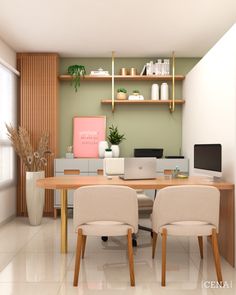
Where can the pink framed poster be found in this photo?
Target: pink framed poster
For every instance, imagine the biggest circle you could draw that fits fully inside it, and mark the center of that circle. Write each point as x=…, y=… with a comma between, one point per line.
x=88, y=131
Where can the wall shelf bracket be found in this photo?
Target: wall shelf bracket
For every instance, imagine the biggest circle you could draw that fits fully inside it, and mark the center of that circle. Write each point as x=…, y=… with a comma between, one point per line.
x=172, y=103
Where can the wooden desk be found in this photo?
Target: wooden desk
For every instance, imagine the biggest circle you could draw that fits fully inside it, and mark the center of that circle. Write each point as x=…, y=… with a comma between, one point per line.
x=226, y=228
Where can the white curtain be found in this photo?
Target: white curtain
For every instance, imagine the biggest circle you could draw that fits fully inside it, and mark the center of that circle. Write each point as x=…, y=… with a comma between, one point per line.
x=8, y=114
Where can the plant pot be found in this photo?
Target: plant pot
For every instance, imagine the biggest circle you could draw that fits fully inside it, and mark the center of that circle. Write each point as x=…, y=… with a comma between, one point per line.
x=115, y=151
x=35, y=197
x=102, y=146
x=121, y=96
x=108, y=154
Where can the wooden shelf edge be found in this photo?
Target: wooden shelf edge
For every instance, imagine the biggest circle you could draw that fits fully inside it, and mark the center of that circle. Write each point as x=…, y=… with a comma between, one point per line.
x=143, y=102
x=125, y=78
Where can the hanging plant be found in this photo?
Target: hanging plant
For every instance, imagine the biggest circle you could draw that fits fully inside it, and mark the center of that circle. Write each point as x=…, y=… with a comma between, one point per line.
x=76, y=71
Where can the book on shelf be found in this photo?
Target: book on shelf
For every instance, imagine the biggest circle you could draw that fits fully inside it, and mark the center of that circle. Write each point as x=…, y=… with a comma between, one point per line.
x=143, y=72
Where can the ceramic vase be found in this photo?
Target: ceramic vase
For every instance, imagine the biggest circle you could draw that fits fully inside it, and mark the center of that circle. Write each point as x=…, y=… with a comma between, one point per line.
x=108, y=154
x=115, y=151
x=35, y=197
x=155, y=92
x=164, y=91
x=102, y=146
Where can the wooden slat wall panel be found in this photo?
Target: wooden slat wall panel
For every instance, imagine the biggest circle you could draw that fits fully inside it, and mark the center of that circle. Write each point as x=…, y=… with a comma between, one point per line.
x=38, y=111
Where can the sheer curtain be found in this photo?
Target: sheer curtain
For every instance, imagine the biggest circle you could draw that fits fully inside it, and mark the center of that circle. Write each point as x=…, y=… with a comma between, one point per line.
x=8, y=114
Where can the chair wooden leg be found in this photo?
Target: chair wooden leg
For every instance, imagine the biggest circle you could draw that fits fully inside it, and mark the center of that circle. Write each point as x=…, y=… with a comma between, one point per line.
x=131, y=258
x=55, y=213
x=200, y=243
x=216, y=256
x=154, y=242
x=83, y=245
x=77, y=258
x=163, y=272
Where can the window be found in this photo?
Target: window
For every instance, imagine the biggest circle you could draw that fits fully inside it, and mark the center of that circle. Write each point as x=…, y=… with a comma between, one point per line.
x=8, y=95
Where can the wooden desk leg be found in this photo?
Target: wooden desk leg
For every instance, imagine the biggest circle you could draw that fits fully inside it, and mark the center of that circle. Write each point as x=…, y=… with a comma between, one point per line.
x=226, y=226
x=63, y=194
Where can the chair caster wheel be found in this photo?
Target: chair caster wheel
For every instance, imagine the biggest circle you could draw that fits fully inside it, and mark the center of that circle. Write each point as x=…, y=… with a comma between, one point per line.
x=134, y=243
x=104, y=239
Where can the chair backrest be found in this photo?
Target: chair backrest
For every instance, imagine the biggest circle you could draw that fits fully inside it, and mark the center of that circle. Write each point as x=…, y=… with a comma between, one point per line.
x=113, y=166
x=105, y=203
x=186, y=203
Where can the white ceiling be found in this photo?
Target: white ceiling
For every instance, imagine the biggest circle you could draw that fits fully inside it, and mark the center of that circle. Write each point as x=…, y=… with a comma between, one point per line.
x=137, y=28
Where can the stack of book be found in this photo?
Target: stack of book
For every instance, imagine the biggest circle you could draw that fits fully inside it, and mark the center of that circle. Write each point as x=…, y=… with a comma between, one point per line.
x=99, y=72
x=158, y=68
x=136, y=97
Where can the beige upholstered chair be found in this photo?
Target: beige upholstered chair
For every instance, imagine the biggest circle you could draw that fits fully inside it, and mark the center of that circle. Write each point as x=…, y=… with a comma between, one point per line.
x=115, y=166
x=187, y=210
x=105, y=210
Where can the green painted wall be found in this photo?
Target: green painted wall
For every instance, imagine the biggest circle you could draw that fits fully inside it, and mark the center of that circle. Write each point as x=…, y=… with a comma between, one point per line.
x=144, y=126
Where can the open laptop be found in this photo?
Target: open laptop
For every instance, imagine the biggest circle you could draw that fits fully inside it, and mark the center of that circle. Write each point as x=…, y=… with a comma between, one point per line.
x=139, y=168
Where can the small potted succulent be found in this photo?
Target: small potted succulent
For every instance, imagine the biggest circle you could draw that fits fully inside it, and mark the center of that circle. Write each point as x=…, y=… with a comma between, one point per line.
x=136, y=92
x=121, y=93
x=108, y=153
x=76, y=71
x=115, y=138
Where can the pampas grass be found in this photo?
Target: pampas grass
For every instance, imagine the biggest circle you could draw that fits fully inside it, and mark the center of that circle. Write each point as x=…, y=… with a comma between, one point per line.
x=20, y=139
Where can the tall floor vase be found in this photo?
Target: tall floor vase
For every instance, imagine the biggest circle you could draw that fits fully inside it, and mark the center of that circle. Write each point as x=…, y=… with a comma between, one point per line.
x=35, y=197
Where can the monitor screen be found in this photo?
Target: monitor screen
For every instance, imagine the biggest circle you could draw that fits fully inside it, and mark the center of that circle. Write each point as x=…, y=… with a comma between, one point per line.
x=207, y=157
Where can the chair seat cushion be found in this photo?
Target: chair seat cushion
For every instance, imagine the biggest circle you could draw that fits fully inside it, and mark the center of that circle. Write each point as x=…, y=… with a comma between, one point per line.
x=105, y=228
x=188, y=228
x=144, y=201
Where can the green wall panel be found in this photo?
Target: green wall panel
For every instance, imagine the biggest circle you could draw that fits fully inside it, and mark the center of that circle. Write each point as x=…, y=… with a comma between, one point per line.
x=143, y=125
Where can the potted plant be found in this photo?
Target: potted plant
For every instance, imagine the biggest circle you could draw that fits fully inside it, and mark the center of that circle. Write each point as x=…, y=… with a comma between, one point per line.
x=121, y=93
x=115, y=138
x=35, y=163
x=136, y=92
x=108, y=153
x=76, y=71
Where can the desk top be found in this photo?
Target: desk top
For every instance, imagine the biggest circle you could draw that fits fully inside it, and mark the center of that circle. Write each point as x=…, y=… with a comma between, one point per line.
x=74, y=182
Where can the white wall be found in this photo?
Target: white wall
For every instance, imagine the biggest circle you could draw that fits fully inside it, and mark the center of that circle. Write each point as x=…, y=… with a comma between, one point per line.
x=7, y=54
x=209, y=115
x=7, y=203
x=210, y=109
x=7, y=194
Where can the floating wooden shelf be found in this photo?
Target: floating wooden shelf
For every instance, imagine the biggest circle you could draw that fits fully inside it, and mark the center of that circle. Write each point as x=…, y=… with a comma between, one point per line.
x=124, y=78
x=143, y=102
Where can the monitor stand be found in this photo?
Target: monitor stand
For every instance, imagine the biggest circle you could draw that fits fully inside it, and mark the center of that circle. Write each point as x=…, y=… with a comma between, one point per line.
x=217, y=179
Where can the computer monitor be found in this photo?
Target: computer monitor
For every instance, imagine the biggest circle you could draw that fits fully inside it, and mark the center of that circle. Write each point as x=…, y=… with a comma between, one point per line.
x=207, y=159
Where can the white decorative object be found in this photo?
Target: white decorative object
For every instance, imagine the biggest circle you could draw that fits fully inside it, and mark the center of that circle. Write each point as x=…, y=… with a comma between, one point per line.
x=99, y=72
x=155, y=92
x=34, y=197
x=158, y=67
x=164, y=91
x=115, y=151
x=136, y=97
x=69, y=156
x=108, y=154
x=167, y=66
x=102, y=146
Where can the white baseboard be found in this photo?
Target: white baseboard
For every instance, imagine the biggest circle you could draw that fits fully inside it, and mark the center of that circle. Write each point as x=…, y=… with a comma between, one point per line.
x=10, y=218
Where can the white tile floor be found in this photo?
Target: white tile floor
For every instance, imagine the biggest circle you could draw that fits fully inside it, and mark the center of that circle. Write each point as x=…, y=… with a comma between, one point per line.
x=31, y=263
